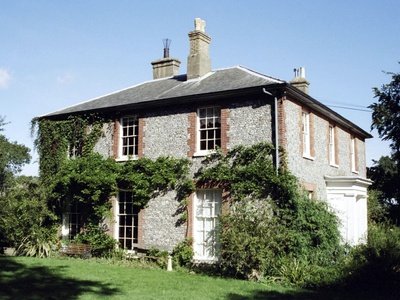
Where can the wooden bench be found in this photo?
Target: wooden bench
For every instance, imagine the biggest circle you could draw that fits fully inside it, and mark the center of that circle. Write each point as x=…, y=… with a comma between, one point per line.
x=75, y=249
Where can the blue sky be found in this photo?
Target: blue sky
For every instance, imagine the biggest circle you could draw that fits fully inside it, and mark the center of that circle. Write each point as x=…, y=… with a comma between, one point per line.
x=57, y=53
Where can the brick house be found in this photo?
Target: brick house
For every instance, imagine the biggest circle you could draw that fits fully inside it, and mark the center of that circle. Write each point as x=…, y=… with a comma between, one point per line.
x=187, y=116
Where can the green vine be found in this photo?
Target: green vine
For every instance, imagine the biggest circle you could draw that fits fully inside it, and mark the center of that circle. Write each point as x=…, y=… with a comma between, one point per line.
x=271, y=222
x=56, y=140
x=91, y=180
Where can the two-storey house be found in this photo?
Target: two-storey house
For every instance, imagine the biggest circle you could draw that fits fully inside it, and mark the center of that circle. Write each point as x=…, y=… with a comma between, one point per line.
x=189, y=115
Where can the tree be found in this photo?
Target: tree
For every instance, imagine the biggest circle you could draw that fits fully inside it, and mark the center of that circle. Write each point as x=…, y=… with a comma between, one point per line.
x=12, y=157
x=386, y=177
x=386, y=171
x=386, y=114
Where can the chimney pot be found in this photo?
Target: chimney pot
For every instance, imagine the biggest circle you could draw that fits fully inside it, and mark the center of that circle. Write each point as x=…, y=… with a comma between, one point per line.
x=299, y=81
x=165, y=67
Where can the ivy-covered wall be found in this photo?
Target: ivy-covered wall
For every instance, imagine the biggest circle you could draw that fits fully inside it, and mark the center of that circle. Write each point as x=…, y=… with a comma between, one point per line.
x=165, y=133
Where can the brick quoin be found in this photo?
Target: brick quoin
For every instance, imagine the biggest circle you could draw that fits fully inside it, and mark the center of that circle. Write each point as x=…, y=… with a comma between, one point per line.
x=224, y=129
x=141, y=124
x=281, y=123
x=191, y=134
x=116, y=138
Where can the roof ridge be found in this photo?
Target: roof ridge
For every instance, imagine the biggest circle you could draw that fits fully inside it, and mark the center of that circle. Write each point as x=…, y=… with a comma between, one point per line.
x=246, y=69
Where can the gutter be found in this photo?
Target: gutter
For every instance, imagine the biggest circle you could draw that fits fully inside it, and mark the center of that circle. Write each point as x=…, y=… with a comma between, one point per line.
x=276, y=131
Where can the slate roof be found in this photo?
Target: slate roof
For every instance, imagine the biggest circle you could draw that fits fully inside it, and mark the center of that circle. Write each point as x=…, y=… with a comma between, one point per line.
x=229, y=79
x=168, y=90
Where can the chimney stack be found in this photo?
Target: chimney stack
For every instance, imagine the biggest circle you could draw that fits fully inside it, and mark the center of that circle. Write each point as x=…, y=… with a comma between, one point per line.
x=199, y=62
x=299, y=81
x=165, y=67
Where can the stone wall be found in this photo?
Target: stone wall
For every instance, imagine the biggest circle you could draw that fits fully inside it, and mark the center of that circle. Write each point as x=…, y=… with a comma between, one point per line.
x=161, y=228
x=104, y=145
x=311, y=172
x=165, y=133
x=249, y=123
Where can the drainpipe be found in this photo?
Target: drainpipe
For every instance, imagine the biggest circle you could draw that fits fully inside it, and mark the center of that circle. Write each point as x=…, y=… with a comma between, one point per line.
x=276, y=133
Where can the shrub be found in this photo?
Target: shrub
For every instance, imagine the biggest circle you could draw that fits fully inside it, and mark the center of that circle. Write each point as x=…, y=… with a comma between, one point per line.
x=159, y=256
x=103, y=244
x=41, y=243
x=183, y=253
x=248, y=248
x=272, y=228
x=376, y=264
x=25, y=221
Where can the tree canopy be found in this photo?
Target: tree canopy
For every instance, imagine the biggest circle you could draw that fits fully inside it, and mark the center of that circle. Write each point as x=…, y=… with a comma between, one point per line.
x=386, y=113
x=386, y=171
x=12, y=157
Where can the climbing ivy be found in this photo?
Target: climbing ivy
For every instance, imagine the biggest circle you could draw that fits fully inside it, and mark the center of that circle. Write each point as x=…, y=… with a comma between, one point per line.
x=91, y=180
x=56, y=140
x=272, y=229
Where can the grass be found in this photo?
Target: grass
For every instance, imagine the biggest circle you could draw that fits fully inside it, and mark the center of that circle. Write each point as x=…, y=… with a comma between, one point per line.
x=58, y=278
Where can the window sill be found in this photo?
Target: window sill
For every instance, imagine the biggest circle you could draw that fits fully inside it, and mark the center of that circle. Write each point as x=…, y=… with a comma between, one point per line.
x=203, y=153
x=205, y=260
x=126, y=158
x=308, y=157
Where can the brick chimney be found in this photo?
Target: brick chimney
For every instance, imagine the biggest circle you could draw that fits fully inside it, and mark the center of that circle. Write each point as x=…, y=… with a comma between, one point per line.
x=299, y=81
x=199, y=62
x=167, y=66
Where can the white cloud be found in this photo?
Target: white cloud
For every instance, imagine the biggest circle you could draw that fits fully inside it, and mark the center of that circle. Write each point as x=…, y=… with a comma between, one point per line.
x=65, y=78
x=5, y=78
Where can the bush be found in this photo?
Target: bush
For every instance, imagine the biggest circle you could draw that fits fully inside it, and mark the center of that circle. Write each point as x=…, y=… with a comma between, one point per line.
x=103, y=244
x=183, y=253
x=25, y=220
x=376, y=265
x=248, y=248
x=41, y=243
x=272, y=228
x=159, y=256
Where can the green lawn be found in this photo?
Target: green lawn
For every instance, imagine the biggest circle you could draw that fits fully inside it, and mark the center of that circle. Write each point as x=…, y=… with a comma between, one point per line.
x=34, y=278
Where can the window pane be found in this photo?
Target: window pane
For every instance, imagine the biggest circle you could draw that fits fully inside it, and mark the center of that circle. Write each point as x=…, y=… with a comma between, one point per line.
x=203, y=145
x=218, y=142
x=128, y=244
x=210, y=145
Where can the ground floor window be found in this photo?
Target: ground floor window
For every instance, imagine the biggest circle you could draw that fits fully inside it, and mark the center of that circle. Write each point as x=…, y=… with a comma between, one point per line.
x=207, y=208
x=127, y=221
x=72, y=220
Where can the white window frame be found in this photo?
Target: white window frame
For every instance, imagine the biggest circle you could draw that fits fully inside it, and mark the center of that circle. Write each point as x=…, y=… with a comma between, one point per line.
x=214, y=129
x=306, y=133
x=134, y=226
x=134, y=136
x=332, y=145
x=206, y=211
x=353, y=154
x=71, y=221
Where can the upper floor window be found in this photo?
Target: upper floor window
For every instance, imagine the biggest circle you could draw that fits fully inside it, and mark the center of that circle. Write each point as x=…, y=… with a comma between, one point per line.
x=332, y=145
x=209, y=129
x=306, y=133
x=129, y=139
x=353, y=154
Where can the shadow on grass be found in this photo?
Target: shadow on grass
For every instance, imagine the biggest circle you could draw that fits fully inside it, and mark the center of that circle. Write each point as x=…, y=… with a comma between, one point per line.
x=339, y=293
x=18, y=281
